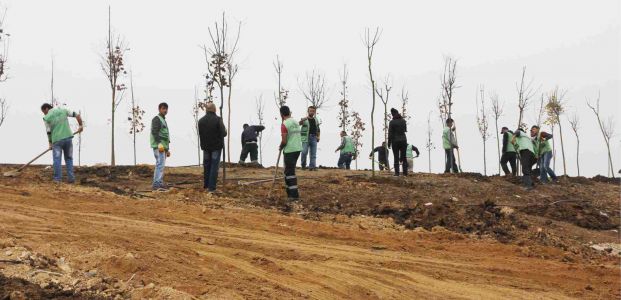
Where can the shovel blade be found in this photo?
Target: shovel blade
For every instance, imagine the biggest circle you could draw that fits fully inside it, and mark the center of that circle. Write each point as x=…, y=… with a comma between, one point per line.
x=11, y=173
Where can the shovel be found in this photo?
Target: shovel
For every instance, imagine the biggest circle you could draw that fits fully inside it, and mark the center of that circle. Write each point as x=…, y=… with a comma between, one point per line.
x=14, y=173
x=269, y=194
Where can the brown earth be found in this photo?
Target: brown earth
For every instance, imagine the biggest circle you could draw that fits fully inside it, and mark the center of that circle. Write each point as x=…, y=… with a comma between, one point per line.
x=350, y=237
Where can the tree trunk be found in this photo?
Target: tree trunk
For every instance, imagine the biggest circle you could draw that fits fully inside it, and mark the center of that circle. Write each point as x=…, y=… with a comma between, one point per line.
x=134, y=146
x=429, y=158
x=372, y=117
x=484, y=160
x=612, y=170
x=112, y=156
x=560, y=131
x=498, y=146
x=223, y=148
x=228, y=125
x=578, y=154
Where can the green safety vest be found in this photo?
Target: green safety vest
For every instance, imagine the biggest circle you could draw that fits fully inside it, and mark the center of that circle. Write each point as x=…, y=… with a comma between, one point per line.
x=306, y=127
x=524, y=143
x=294, y=138
x=163, y=134
x=408, y=152
x=57, y=120
x=542, y=146
x=446, y=143
x=349, y=146
x=510, y=146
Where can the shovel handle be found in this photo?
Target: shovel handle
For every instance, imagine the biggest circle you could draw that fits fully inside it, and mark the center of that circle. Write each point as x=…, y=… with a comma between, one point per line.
x=38, y=156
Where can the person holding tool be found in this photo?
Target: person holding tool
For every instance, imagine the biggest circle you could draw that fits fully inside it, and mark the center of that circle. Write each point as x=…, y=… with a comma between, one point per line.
x=60, y=138
x=291, y=146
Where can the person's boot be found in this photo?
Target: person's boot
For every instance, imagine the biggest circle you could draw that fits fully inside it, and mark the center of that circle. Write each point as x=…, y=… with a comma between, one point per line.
x=528, y=182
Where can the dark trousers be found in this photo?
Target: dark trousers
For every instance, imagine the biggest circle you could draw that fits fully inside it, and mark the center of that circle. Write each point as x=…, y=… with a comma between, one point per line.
x=291, y=159
x=527, y=159
x=383, y=164
x=450, y=161
x=211, y=163
x=345, y=161
x=252, y=149
x=511, y=158
x=398, y=153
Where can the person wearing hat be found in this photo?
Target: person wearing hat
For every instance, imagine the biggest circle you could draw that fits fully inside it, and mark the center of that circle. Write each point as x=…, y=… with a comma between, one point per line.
x=508, y=152
x=249, y=139
x=398, y=141
x=449, y=142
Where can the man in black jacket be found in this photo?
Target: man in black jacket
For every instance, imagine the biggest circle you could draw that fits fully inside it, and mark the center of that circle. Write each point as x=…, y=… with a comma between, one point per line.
x=212, y=132
x=509, y=154
x=398, y=141
x=382, y=156
x=249, y=143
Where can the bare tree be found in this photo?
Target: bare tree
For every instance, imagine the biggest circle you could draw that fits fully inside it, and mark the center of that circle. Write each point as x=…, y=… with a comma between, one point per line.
x=282, y=94
x=4, y=47
x=197, y=110
x=555, y=107
x=356, y=133
x=314, y=89
x=344, y=114
x=574, y=121
x=260, y=105
x=4, y=109
x=607, y=131
x=449, y=80
x=80, y=140
x=53, y=95
x=429, y=144
x=497, y=112
x=540, y=111
x=405, y=98
x=483, y=124
x=525, y=93
x=231, y=72
x=370, y=41
x=221, y=68
x=136, y=114
x=113, y=66
x=384, y=94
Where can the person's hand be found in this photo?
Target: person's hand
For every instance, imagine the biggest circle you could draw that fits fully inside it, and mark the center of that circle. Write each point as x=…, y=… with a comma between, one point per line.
x=417, y=155
x=281, y=147
x=80, y=129
x=50, y=146
x=456, y=147
x=304, y=119
x=318, y=139
x=160, y=148
x=167, y=153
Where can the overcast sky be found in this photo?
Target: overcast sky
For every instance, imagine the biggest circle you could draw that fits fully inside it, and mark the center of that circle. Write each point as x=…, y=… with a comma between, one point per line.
x=570, y=44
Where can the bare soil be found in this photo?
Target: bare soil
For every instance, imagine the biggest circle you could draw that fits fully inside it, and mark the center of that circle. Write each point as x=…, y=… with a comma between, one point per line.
x=352, y=236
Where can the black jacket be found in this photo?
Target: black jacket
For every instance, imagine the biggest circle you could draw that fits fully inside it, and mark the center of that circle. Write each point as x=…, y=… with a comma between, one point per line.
x=212, y=132
x=396, y=130
x=505, y=140
x=381, y=153
x=250, y=133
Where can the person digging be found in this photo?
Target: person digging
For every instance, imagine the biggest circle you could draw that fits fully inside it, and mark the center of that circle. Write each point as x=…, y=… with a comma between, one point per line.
x=60, y=138
x=347, y=151
x=249, y=140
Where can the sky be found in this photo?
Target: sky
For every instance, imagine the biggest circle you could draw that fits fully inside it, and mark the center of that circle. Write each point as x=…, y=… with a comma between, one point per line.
x=572, y=45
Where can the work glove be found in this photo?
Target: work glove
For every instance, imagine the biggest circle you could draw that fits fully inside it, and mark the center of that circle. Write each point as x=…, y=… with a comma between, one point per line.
x=167, y=153
x=160, y=147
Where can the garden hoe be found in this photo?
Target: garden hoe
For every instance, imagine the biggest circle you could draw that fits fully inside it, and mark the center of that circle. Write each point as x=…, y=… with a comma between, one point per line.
x=14, y=173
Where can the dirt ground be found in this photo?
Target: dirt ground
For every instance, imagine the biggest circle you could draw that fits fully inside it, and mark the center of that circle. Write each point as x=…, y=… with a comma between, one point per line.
x=351, y=236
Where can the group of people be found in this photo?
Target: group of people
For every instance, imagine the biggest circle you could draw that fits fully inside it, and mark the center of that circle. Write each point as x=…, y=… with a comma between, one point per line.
x=299, y=139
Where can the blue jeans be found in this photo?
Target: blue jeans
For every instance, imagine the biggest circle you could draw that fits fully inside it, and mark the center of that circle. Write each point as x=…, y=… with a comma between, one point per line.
x=544, y=167
x=64, y=146
x=211, y=163
x=345, y=161
x=312, y=144
x=158, y=174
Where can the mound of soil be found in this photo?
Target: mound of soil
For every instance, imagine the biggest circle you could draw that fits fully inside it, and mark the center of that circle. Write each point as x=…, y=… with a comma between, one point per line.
x=17, y=288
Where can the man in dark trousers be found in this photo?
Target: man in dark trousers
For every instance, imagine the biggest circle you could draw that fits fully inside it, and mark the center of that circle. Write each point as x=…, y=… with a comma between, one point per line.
x=291, y=146
x=212, y=132
x=398, y=141
x=449, y=143
x=525, y=146
x=508, y=152
x=249, y=143
x=310, y=133
x=382, y=156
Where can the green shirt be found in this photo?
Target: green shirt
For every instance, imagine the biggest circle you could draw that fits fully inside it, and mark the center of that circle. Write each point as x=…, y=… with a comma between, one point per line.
x=542, y=145
x=510, y=146
x=348, y=145
x=163, y=135
x=294, y=138
x=448, y=139
x=57, y=124
x=523, y=142
x=306, y=126
x=408, y=152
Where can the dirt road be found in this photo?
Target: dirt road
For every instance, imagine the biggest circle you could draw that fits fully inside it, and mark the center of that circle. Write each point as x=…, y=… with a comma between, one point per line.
x=214, y=248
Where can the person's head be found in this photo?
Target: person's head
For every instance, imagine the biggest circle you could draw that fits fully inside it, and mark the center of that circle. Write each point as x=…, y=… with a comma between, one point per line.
x=503, y=130
x=285, y=111
x=449, y=122
x=245, y=126
x=311, y=111
x=210, y=107
x=343, y=133
x=394, y=113
x=383, y=144
x=534, y=130
x=45, y=108
x=163, y=108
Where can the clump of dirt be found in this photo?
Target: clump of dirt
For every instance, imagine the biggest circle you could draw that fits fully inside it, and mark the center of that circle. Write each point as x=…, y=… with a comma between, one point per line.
x=600, y=178
x=114, y=172
x=18, y=288
x=582, y=213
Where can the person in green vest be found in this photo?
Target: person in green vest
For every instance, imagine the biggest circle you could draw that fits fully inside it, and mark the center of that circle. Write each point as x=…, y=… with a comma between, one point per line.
x=60, y=138
x=544, y=154
x=508, y=152
x=524, y=145
x=311, y=133
x=291, y=146
x=160, y=143
x=449, y=143
x=409, y=155
x=347, y=151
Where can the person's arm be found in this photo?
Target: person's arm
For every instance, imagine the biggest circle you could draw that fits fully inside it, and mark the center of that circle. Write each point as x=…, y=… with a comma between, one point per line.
x=302, y=121
x=391, y=129
x=242, y=139
x=48, y=131
x=156, y=125
x=453, y=139
x=505, y=139
x=223, y=132
x=546, y=136
x=416, y=150
x=373, y=151
x=318, y=129
x=342, y=145
x=283, y=136
x=259, y=128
